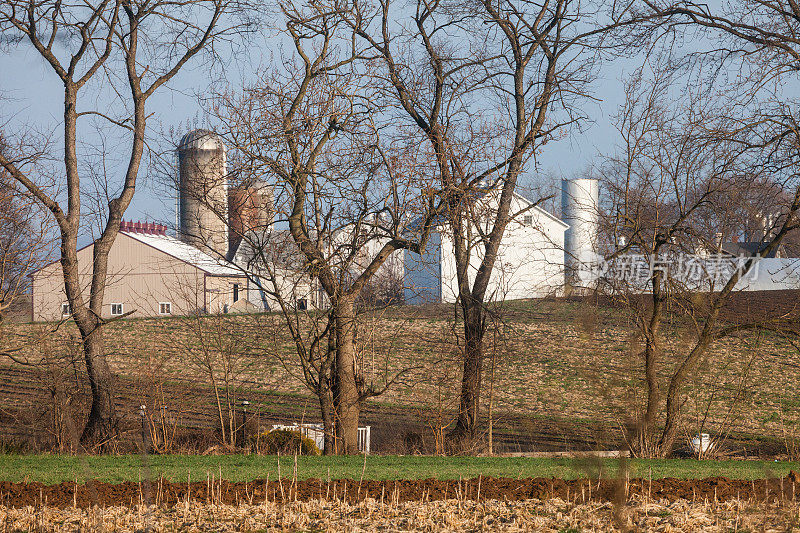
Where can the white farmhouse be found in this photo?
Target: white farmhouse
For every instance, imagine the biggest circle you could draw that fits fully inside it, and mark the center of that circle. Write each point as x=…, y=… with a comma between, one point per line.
x=530, y=261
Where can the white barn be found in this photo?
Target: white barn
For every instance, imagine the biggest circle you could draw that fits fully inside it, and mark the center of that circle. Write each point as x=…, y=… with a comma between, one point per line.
x=272, y=255
x=274, y=264
x=530, y=262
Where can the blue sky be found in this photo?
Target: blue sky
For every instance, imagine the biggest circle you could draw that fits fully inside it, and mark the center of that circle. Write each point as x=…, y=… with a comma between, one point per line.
x=32, y=96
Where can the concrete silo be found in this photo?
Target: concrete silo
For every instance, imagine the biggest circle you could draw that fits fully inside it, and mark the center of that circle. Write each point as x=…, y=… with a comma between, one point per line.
x=580, y=209
x=203, y=192
x=250, y=208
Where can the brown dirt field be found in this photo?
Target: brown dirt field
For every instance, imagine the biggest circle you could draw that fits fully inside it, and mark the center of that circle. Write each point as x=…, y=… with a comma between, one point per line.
x=162, y=492
x=395, y=429
x=567, y=378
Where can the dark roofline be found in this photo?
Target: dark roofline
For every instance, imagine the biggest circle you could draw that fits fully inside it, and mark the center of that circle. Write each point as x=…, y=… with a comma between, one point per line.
x=750, y=247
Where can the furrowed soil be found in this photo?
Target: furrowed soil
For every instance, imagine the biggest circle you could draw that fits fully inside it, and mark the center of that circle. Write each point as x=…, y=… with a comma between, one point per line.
x=567, y=376
x=162, y=492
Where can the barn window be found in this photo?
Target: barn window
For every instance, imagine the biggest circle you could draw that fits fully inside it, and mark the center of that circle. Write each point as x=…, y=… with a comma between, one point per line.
x=116, y=309
x=164, y=308
x=302, y=304
x=528, y=220
x=65, y=310
x=235, y=292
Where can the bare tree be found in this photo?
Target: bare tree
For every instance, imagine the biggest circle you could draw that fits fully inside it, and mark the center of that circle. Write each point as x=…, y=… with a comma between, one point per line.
x=309, y=125
x=132, y=48
x=749, y=51
x=482, y=86
x=280, y=282
x=223, y=348
x=26, y=239
x=675, y=193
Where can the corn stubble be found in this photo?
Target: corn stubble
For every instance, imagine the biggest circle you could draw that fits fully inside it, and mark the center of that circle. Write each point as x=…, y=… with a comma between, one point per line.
x=448, y=515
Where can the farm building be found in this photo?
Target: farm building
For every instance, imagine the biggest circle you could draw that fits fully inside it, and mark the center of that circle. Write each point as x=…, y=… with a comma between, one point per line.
x=226, y=231
x=530, y=261
x=149, y=274
x=276, y=266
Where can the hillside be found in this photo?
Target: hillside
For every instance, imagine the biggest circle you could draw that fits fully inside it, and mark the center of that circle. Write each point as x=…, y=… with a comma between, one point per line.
x=566, y=372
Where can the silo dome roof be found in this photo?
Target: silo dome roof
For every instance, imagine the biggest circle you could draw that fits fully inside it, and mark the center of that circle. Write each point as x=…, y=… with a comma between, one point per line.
x=201, y=139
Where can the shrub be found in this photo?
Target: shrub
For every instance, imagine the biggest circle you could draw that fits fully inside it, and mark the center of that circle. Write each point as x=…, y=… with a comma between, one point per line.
x=285, y=442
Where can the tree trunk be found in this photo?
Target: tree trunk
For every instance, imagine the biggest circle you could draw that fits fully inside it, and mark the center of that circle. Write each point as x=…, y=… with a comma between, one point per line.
x=645, y=444
x=347, y=398
x=326, y=392
x=646, y=429
x=466, y=428
x=101, y=427
x=670, y=432
x=328, y=420
x=491, y=395
x=673, y=407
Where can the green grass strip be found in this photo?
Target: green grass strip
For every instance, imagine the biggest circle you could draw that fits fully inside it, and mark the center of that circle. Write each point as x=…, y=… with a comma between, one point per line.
x=52, y=469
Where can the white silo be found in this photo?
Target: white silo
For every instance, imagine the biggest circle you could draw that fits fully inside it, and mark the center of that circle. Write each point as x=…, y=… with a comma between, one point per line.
x=203, y=192
x=580, y=209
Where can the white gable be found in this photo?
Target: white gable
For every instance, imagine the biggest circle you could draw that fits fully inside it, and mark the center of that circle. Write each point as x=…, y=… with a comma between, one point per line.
x=529, y=264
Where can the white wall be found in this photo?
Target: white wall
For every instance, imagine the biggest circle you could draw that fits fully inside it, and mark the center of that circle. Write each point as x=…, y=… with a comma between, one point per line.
x=530, y=262
x=772, y=274
x=391, y=268
x=292, y=287
x=711, y=274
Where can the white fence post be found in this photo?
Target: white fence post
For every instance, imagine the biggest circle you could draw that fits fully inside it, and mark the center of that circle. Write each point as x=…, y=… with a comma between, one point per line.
x=365, y=439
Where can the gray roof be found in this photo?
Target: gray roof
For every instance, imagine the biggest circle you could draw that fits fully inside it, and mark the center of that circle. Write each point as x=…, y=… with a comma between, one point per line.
x=747, y=248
